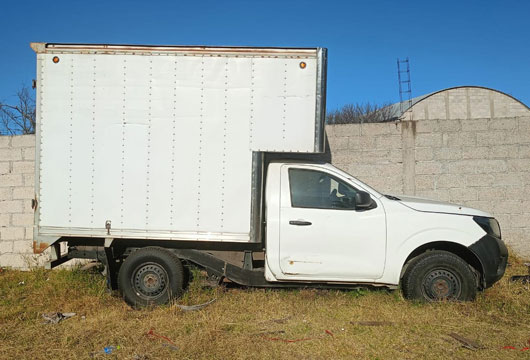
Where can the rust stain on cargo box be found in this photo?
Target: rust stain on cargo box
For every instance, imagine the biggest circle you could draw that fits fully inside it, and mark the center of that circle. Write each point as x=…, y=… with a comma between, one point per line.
x=39, y=248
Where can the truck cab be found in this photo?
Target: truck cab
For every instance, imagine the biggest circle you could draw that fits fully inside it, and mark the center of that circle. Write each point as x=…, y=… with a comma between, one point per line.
x=325, y=225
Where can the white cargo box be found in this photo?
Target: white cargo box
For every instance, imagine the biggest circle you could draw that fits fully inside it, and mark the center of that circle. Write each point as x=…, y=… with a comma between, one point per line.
x=163, y=142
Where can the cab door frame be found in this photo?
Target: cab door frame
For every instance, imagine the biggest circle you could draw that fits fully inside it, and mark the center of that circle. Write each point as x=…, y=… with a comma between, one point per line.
x=342, y=260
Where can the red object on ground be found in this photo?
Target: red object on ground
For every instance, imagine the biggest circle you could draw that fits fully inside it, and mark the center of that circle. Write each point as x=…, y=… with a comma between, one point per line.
x=329, y=333
x=152, y=333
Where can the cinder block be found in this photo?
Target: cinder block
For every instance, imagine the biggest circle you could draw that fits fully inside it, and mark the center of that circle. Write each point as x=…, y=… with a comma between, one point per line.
x=5, y=141
x=6, y=246
x=12, y=233
x=427, y=126
x=340, y=157
x=344, y=130
x=515, y=193
x=520, y=220
x=523, y=123
x=424, y=182
x=338, y=143
x=477, y=166
x=388, y=142
x=446, y=181
x=4, y=167
x=484, y=180
x=429, y=140
x=10, y=154
x=27, y=206
x=483, y=205
x=374, y=157
x=5, y=220
x=29, y=179
x=23, y=247
x=29, y=233
x=474, y=124
x=516, y=165
x=11, y=206
x=493, y=194
x=28, y=153
x=459, y=195
x=452, y=153
x=371, y=129
x=490, y=138
x=449, y=125
x=11, y=180
x=26, y=192
x=6, y=193
x=508, y=207
x=503, y=124
x=23, y=141
x=428, y=168
x=22, y=219
x=361, y=142
x=424, y=154
x=459, y=139
x=507, y=179
x=475, y=152
x=524, y=151
x=14, y=261
x=23, y=167
x=503, y=151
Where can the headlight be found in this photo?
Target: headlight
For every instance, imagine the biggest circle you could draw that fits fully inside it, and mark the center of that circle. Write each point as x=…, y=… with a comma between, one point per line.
x=489, y=225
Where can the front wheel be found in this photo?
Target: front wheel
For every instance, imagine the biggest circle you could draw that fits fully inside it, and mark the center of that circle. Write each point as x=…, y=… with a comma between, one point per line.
x=439, y=275
x=151, y=276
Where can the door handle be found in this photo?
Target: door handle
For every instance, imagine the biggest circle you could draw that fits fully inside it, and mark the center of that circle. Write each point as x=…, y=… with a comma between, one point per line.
x=299, y=222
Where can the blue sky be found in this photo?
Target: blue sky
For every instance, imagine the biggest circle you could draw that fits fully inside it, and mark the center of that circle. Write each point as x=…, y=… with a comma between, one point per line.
x=449, y=43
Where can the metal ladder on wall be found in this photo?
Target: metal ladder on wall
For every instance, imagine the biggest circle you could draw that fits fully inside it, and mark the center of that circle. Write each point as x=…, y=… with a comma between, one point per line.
x=405, y=89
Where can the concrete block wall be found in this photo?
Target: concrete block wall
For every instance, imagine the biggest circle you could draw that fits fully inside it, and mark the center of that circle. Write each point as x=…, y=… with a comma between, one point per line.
x=17, y=183
x=469, y=146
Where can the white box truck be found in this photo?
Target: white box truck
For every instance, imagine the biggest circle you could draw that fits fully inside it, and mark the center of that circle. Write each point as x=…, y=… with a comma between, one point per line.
x=155, y=158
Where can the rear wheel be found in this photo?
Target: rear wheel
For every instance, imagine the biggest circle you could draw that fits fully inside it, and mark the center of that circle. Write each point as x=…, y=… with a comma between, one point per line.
x=151, y=276
x=439, y=275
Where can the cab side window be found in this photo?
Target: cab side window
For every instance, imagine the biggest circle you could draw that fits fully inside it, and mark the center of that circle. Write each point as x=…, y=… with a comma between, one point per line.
x=316, y=189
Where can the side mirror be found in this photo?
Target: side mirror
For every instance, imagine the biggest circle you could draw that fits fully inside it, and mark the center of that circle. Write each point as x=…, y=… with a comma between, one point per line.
x=362, y=200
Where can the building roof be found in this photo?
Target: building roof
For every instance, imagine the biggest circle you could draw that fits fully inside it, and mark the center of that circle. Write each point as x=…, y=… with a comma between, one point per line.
x=395, y=109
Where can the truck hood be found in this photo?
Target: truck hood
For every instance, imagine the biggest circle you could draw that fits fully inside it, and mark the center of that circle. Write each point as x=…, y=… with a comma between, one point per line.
x=428, y=205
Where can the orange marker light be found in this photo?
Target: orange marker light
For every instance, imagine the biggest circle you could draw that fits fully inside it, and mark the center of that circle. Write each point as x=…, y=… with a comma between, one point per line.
x=55, y=59
x=303, y=65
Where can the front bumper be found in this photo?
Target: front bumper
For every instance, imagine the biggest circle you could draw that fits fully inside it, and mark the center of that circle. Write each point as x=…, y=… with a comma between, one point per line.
x=493, y=256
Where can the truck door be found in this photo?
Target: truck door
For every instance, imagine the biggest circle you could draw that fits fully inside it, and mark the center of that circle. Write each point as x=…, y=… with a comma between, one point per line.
x=322, y=234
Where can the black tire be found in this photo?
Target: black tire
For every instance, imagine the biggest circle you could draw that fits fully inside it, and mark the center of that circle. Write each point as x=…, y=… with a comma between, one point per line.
x=151, y=276
x=437, y=276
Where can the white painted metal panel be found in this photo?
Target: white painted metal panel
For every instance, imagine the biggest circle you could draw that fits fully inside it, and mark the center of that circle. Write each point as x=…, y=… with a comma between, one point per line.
x=163, y=127
x=79, y=130
x=54, y=154
x=160, y=143
x=283, y=108
x=237, y=189
x=108, y=143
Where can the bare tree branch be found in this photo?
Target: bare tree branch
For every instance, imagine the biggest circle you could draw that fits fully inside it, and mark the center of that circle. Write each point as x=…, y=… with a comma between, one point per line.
x=16, y=119
x=360, y=113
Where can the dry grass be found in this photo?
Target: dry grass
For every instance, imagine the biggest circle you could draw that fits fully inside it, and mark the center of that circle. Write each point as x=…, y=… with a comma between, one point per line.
x=233, y=327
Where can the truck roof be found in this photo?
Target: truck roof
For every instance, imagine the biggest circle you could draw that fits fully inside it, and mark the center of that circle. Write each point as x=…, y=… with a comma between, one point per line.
x=41, y=47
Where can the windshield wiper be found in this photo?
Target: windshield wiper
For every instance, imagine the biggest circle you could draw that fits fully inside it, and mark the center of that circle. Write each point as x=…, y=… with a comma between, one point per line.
x=392, y=197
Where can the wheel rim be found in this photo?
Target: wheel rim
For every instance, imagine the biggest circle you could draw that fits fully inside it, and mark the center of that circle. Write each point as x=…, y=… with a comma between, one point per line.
x=150, y=281
x=441, y=284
